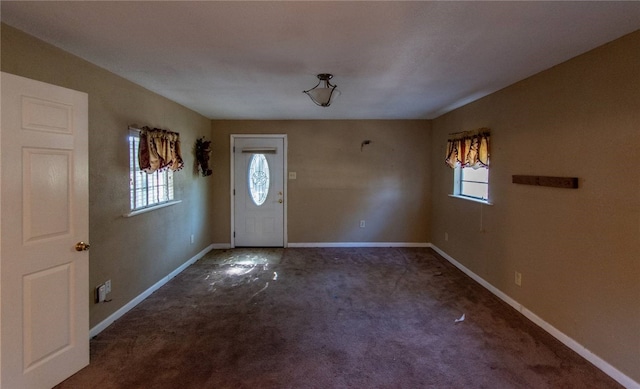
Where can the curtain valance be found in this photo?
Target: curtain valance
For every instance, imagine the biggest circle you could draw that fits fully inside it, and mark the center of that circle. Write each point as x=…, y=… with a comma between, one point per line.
x=469, y=149
x=159, y=149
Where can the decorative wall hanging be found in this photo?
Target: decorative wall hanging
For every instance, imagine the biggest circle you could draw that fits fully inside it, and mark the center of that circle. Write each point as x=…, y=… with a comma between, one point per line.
x=203, y=152
x=159, y=149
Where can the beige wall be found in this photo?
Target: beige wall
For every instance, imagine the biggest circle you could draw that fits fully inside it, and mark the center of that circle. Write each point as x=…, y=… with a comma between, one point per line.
x=578, y=249
x=133, y=252
x=338, y=184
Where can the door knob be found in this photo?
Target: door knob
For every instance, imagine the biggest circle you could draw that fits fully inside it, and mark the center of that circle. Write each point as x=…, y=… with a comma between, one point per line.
x=82, y=246
x=280, y=201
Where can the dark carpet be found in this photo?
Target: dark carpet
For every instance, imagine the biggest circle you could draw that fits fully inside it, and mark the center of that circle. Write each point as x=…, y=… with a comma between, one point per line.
x=328, y=318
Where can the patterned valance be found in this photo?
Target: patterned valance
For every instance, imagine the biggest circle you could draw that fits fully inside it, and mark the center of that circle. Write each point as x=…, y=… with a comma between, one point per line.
x=469, y=149
x=159, y=149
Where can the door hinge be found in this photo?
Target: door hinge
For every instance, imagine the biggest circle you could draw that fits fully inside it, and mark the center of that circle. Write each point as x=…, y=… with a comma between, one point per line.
x=234, y=149
x=234, y=192
x=234, y=234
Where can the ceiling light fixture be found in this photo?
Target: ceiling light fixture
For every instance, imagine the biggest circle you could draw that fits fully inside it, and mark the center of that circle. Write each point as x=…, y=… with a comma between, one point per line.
x=325, y=94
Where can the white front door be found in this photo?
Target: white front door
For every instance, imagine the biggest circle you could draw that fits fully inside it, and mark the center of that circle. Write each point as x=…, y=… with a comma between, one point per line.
x=44, y=320
x=259, y=191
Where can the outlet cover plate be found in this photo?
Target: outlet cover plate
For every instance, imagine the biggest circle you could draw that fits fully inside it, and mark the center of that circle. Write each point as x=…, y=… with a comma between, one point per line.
x=101, y=293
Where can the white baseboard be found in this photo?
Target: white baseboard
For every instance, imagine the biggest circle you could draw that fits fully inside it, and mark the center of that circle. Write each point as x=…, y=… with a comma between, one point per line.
x=223, y=246
x=138, y=299
x=601, y=364
x=220, y=246
x=358, y=244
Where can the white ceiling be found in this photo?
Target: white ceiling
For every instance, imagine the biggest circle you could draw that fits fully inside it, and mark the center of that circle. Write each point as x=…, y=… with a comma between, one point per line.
x=390, y=60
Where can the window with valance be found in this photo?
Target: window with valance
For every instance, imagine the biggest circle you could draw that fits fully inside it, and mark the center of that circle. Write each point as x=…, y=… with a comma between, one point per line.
x=468, y=153
x=154, y=155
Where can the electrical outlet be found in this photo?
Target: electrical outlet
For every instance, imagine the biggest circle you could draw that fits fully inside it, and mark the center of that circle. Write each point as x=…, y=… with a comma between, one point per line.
x=518, y=279
x=107, y=287
x=192, y=239
x=362, y=224
x=101, y=293
x=293, y=175
x=446, y=236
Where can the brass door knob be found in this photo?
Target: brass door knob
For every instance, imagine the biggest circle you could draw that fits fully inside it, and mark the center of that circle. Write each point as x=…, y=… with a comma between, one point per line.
x=82, y=246
x=280, y=201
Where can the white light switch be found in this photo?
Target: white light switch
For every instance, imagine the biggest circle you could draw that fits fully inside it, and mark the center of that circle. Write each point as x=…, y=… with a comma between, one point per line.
x=292, y=175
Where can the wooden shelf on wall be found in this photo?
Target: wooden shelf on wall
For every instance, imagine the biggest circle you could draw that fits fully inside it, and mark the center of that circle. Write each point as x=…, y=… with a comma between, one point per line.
x=555, y=182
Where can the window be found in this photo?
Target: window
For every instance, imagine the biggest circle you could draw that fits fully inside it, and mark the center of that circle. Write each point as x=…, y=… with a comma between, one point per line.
x=471, y=182
x=258, y=176
x=468, y=155
x=146, y=190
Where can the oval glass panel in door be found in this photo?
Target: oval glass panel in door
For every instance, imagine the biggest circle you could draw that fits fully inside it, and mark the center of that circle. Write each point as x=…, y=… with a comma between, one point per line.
x=258, y=178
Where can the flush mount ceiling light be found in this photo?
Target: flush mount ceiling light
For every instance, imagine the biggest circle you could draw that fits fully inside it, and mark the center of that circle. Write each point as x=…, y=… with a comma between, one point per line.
x=325, y=94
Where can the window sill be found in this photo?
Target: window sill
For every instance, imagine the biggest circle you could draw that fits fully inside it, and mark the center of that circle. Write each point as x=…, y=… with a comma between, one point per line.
x=485, y=202
x=152, y=208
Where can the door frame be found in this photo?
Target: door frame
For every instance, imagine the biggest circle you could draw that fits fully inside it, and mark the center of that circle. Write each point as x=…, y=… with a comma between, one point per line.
x=232, y=139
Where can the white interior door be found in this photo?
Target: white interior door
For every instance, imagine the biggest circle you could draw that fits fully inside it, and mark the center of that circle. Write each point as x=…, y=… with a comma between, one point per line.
x=259, y=191
x=44, y=320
